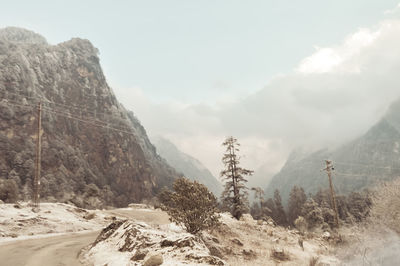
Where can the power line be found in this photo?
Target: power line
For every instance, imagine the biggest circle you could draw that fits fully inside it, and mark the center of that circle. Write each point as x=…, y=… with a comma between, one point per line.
x=92, y=123
x=77, y=117
x=46, y=101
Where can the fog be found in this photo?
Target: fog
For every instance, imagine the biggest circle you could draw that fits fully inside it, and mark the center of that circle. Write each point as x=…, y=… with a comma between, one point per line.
x=331, y=97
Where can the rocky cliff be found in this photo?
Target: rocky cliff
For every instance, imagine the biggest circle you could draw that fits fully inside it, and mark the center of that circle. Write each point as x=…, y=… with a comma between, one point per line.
x=362, y=163
x=94, y=151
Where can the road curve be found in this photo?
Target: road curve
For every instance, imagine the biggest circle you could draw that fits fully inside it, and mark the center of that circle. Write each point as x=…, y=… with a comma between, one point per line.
x=63, y=250
x=60, y=250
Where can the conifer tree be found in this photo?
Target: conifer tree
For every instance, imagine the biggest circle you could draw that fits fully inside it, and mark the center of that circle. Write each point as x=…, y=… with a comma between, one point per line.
x=297, y=198
x=235, y=195
x=259, y=209
x=280, y=215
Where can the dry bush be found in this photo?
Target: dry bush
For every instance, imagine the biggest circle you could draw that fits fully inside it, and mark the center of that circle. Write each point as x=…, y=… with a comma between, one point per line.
x=386, y=205
x=313, y=261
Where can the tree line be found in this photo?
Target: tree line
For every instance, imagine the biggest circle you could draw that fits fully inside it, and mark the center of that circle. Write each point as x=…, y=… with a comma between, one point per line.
x=192, y=205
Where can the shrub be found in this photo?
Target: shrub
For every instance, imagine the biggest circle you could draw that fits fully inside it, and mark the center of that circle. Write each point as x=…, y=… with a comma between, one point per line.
x=8, y=191
x=312, y=213
x=386, y=205
x=191, y=204
x=301, y=224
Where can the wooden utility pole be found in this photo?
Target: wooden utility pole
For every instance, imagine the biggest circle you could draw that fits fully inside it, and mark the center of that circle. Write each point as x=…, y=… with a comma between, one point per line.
x=36, y=185
x=328, y=169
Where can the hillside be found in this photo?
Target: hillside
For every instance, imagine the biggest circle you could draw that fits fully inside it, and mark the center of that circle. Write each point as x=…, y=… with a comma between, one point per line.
x=190, y=167
x=359, y=164
x=94, y=151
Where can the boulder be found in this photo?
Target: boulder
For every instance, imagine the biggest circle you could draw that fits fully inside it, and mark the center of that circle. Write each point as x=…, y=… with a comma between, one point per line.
x=154, y=260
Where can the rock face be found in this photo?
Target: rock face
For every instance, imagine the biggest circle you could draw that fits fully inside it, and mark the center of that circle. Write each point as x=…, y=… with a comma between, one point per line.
x=94, y=151
x=187, y=165
x=135, y=243
x=360, y=164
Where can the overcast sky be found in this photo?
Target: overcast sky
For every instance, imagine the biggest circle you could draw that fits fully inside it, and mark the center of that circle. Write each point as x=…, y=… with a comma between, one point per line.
x=276, y=74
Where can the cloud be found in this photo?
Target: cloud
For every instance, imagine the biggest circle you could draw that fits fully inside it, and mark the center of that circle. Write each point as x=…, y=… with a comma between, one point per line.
x=333, y=59
x=393, y=10
x=334, y=95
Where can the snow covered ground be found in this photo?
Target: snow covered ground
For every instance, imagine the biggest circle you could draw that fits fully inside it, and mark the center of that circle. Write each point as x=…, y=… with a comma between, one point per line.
x=18, y=221
x=244, y=242
x=134, y=235
x=134, y=243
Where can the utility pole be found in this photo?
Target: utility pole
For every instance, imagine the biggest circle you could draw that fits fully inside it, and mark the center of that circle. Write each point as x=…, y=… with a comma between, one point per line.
x=328, y=169
x=36, y=185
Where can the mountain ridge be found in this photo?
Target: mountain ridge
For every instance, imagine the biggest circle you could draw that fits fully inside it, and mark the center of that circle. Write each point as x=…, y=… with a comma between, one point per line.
x=188, y=165
x=94, y=151
x=359, y=164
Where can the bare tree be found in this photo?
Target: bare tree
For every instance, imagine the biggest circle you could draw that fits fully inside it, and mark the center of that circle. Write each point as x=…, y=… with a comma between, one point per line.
x=235, y=195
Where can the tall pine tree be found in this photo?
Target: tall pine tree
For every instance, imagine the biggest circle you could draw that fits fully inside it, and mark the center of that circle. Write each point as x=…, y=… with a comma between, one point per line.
x=280, y=215
x=235, y=195
x=297, y=199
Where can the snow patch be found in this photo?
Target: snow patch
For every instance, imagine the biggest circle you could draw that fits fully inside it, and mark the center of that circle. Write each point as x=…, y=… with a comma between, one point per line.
x=19, y=221
x=132, y=243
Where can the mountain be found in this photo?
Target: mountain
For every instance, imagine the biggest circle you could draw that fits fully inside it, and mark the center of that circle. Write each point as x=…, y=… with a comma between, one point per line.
x=187, y=165
x=261, y=177
x=94, y=151
x=359, y=164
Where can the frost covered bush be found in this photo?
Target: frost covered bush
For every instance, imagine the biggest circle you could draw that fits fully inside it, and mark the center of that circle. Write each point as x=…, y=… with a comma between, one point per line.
x=301, y=224
x=191, y=204
x=386, y=205
x=312, y=213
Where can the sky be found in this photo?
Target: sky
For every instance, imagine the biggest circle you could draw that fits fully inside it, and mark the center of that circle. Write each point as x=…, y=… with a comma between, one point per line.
x=276, y=74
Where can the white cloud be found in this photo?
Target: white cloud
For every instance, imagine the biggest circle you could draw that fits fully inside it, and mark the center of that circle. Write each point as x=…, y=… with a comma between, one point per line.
x=330, y=59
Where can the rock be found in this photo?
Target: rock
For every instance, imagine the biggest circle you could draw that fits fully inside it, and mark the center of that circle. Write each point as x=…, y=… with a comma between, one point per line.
x=17, y=206
x=247, y=218
x=237, y=242
x=260, y=222
x=216, y=251
x=89, y=216
x=248, y=253
x=279, y=254
x=141, y=242
x=210, y=260
x=215, y=240
x=271, y=222
x=326, y=235
x=180, y=243
x=154, y=260
x=139, y=255
x=1, y=202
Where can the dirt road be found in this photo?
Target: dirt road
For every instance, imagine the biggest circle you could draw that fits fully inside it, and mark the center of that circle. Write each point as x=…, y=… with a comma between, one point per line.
x=63, y=250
